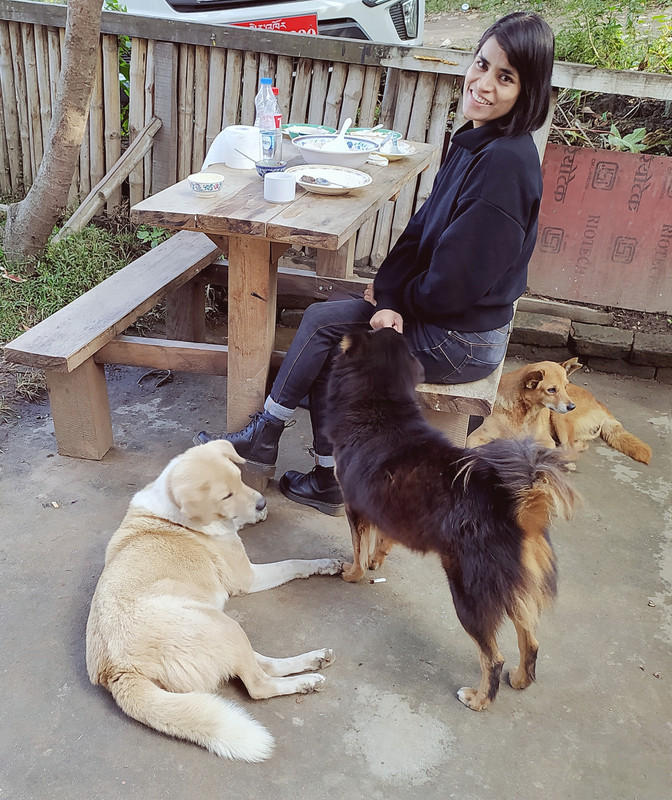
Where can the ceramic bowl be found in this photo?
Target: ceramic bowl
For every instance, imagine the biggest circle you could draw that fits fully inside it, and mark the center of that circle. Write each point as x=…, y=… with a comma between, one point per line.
x=268, y=165
x=205, y=184
x=305, y=129
x=315, y=150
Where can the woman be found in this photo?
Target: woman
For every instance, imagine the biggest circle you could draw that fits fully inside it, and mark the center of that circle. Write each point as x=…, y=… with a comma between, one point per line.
x=449, y=284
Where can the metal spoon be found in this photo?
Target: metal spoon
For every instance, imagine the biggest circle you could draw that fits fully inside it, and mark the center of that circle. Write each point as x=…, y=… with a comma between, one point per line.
x=322, y=182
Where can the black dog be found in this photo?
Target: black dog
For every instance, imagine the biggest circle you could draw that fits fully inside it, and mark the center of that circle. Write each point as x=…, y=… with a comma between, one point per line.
x=484, y=511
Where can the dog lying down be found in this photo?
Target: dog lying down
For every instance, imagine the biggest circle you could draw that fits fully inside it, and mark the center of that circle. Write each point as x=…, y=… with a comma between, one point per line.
x=538, y=400
x=485, y=512
x=156, y=636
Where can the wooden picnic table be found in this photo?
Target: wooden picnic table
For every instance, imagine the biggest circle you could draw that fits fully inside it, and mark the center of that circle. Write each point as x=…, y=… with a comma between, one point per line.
x=255, y=233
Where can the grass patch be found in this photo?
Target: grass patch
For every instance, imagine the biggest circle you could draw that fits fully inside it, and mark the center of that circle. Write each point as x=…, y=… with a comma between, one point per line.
x=66, y=271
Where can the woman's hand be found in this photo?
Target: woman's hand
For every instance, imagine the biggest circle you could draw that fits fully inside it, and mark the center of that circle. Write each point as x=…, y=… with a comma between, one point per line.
x=386, y=318
x=368, y=294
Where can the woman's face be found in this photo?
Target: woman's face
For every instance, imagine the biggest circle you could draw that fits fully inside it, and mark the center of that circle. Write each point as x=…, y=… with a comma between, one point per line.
x=491, y=85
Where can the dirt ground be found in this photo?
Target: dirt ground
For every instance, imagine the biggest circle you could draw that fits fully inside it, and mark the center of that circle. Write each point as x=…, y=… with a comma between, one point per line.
x=388, y=725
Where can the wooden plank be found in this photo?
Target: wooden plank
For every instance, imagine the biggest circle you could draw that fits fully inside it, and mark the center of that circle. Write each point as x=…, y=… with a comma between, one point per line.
x=200, y=107
x=164, y=152
x=251, y=327
x=477, y=397
x=96, y=126
x=185, y=111
x=149, y=112
x=136, y=114
x=250, y=83
x=318, y=94
x=216, y=83
x=112, y=109
x=333, y=113
x=74, y=333
x=16, y=50
x=299, y=106
x=9, y=109
x=80, y=408
x=232, y=91
x=42, y=62
x=338, y=263
x=185, y=312
x=32, y=96
x=196, y=357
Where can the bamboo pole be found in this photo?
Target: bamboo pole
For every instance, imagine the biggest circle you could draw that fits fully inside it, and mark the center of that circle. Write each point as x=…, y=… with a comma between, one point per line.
x=43, y=81
x=110, y=183
x=9, y=111
x=185, y=110
x=136, y=113
x=112, y=113
x=149, y=111
x=32, y=97
x=250, y=83
x=96, y=127
x=200, y=106
x=16, y=51
x=216, y=82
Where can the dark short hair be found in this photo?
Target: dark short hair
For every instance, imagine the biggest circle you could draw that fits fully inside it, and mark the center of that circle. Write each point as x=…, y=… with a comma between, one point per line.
x=529, y=45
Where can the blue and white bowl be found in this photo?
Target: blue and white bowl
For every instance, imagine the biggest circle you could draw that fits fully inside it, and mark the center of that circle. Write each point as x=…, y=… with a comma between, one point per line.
x=316, y=150
x=205, y=184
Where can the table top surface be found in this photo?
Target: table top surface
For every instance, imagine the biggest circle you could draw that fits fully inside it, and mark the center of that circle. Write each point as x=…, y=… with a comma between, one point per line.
x=316, y=220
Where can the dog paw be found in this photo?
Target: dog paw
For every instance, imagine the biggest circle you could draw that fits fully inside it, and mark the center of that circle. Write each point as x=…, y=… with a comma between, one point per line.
x=352, y=573
x=470, y=699
x=518, y=679
x=325, y=658
x=330, y=566
x=311, y=683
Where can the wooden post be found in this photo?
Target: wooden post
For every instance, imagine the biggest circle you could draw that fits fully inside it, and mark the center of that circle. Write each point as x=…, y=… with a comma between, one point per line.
x=80, y=408
x=164, y=161
x=251, y=334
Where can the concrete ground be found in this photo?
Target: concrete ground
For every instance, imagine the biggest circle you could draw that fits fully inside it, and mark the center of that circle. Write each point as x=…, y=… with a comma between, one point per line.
x=597, y=724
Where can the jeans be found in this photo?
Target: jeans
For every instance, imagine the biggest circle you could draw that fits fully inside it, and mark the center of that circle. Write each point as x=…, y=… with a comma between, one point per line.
x=446, y=356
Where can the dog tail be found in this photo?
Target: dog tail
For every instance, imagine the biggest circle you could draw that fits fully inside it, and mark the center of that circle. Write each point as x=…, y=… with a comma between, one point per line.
x=536, y=477
x=615, y=435
x=205, y=719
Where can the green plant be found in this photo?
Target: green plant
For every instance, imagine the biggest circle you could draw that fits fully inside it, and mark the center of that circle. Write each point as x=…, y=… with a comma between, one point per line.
x=632, y=142
x=152, y=236
x=66, y=271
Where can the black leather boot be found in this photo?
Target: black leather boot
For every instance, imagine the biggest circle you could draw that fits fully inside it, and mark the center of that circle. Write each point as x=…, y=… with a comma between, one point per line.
x=257, y=443
x=317, y=488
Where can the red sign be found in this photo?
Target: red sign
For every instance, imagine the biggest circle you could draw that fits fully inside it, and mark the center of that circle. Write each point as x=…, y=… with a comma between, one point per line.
x=304, y=24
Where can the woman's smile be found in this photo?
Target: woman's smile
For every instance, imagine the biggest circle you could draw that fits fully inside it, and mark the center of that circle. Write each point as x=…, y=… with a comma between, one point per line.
x=491, y=85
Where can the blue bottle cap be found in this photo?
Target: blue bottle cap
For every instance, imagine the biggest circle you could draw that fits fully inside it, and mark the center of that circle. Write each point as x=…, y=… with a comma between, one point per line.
x=266, y=80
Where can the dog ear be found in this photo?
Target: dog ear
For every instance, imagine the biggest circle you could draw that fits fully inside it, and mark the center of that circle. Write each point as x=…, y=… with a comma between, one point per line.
x=534, y=378
x=571, y=365
x=228, y=450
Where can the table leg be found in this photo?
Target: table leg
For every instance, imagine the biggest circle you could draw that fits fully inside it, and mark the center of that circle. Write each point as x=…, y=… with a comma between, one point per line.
x=252, y=312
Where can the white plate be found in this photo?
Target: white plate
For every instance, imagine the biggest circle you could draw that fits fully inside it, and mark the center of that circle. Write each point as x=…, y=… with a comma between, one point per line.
x=405, y=149
x=346, y=178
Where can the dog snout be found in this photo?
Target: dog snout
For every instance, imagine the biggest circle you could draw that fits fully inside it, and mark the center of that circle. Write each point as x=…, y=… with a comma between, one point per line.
x=260, y=504
x=571, y=406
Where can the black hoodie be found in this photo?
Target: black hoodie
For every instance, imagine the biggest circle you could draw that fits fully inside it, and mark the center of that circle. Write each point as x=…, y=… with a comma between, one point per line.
x=462, y=260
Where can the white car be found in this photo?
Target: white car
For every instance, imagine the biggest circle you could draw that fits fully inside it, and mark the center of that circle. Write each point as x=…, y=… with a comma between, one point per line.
x=398, y=22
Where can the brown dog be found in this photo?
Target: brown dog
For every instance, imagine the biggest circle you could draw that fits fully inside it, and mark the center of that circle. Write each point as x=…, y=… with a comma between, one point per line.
x=538, y=400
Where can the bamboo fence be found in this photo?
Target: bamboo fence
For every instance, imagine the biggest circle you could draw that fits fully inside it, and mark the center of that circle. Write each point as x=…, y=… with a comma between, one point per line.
x=197, y=79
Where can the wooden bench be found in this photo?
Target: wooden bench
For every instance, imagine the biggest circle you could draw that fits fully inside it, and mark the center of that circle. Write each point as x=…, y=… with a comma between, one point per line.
x=448, y=406
x=71, y=346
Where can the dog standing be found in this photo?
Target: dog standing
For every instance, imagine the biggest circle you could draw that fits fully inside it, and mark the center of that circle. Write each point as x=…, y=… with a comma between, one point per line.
x=538, y=400
x=157, y=637
x=484, y=512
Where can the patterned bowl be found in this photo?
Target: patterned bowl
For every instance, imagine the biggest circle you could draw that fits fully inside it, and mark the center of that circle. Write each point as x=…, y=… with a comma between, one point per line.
x=316, y=150
x=269, y=165
x=205, y=184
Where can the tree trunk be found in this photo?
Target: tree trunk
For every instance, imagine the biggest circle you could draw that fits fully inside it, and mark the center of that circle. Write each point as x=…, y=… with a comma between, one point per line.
x=30, y=222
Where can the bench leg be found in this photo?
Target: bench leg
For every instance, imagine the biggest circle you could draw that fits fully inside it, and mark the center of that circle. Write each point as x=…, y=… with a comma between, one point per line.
x=454, y=426
x=80, y=409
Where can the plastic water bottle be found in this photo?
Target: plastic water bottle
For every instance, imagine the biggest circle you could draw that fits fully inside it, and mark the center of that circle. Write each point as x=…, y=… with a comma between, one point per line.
x=268, y=118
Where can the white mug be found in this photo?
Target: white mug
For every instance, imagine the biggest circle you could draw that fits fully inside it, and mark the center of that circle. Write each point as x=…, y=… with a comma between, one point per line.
x=279, y=187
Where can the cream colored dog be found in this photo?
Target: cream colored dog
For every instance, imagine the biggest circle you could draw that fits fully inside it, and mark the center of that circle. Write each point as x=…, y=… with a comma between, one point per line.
x=157, y=637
